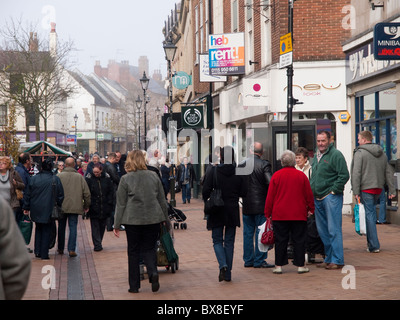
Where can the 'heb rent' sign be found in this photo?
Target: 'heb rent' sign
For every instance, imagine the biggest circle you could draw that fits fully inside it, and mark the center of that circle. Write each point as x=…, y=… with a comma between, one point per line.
x=361, y=64
x=226, y=54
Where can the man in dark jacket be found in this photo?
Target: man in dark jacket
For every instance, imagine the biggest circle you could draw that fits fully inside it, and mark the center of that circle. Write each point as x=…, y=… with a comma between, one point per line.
x=253, y=207
x=186, y=178
x=102, y=199
x=43, y=191
x=111, y=170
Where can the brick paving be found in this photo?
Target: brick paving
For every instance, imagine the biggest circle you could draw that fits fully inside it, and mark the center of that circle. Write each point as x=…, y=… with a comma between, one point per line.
x=104, y=274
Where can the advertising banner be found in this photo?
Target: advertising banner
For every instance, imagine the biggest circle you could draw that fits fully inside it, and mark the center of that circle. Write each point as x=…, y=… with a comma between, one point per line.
x=387, y=41
x=226, y=54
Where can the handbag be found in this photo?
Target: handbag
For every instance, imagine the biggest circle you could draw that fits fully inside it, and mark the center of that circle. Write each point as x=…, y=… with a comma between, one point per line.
x=215, y=202
x=25, y=225
x=359, y=219
x=268, y=234
x=57, y=213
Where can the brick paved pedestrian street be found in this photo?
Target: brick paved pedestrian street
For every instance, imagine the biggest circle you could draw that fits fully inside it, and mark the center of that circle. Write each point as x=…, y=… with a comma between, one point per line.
x=104, y=275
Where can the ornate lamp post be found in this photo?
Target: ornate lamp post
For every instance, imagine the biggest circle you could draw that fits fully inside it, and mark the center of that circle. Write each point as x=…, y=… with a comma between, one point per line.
x=144, y=81
x=139, y=106
x=76, y=132
x=170, y=50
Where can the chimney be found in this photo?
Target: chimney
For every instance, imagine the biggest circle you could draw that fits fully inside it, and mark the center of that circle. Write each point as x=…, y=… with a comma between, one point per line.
x=33, y=42
x=53, y=39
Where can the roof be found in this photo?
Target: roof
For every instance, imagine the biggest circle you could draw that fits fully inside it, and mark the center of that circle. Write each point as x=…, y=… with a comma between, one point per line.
x=35, y=146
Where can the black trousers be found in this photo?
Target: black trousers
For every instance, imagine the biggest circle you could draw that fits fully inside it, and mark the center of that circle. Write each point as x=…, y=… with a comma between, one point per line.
x=142, y=241
x=42, y=239
x=298, y=232
x=98, y=227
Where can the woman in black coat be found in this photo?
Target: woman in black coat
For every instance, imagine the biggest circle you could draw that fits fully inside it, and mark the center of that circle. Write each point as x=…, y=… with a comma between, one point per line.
x=223, y=223
x=39, y=200
x=102, y=194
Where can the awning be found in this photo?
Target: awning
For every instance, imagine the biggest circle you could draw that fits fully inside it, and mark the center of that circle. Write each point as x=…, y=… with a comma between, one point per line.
x=38, y=148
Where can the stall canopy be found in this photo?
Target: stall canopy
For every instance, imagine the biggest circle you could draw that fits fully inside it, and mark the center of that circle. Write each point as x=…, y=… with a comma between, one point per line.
x=43, y=149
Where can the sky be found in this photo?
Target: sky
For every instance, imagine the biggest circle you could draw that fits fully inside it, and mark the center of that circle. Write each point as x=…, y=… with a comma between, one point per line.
x=100, y=29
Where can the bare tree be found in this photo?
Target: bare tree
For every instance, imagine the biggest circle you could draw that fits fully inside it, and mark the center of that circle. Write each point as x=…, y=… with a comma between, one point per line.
x=35, y=72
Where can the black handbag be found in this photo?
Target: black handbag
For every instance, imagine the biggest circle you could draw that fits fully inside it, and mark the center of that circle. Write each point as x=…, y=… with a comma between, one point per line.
x=215, y=202
x=57, y=213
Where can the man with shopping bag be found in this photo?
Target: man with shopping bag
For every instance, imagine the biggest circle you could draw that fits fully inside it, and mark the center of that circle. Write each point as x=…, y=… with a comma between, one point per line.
x=370, y=171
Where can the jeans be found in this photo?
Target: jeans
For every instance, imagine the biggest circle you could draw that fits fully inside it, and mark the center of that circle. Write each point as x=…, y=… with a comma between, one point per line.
x=328, y=216
x=382, y=207
x=186, y=192
x=369, y=201
x=73, y=231
x=142, y=244
x=251, y=254
x=223, y=247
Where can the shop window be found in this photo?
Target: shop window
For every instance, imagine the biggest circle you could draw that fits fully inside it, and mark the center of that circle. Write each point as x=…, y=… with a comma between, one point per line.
x=376, y=112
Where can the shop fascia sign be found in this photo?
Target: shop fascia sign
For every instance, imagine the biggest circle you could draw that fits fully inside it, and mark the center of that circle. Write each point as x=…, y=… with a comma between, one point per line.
x=387, y=41
x=361, y=64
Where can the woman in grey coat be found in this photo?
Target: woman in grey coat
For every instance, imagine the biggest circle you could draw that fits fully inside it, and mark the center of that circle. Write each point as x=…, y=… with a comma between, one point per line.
x=141, y=207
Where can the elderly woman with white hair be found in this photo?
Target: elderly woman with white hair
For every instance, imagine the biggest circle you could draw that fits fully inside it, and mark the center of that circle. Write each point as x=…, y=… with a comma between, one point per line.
x=289, y=202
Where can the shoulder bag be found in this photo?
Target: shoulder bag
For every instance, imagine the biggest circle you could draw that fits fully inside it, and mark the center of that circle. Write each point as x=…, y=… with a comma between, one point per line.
x=215, y=202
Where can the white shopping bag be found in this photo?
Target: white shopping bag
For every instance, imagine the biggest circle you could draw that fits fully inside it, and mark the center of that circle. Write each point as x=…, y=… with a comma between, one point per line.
x=361, y=217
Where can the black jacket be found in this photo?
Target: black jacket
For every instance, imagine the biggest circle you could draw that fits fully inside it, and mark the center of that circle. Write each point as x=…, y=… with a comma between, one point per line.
x=39, y=197
x=102, y=195
x=192, y=174
x=232, y=187
x=257, y=185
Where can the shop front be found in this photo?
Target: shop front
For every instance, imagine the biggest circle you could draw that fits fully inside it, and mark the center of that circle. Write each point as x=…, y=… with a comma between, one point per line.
x=373, y=90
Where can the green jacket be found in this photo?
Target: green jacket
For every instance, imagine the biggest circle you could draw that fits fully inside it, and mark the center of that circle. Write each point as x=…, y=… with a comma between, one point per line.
x=330, y=174
x=76, y=191
x=140, y=199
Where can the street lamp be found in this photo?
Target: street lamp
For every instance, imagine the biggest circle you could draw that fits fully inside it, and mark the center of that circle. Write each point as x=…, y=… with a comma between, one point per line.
x=170, y=50
x=144, y=81
x=139, y=106
x=96, y=122
x=76, y=132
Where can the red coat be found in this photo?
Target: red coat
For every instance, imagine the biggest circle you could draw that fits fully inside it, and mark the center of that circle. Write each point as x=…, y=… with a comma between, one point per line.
x=289, y=196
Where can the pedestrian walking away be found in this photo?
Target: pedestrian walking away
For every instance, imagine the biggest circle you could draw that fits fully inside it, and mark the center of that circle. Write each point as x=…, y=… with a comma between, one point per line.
x=141, y=208
x=289, y=202
x=370, y=171
x=102, y=195
x=253, y=206
x=76, y=202
x=328, y=178
x=224, y=222
x=43, y=191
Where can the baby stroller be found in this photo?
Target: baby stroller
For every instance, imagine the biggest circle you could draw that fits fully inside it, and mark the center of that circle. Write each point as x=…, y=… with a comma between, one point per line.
x=178, y=216
x=166, y=255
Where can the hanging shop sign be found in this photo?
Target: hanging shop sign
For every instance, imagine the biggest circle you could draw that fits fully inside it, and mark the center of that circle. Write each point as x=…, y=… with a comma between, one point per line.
x=192, y=117
x=181, y=80
x=387, y=41
x=226, y=54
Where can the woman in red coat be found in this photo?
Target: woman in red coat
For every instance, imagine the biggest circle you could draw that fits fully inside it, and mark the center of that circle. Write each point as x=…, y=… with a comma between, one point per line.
x=289, y=202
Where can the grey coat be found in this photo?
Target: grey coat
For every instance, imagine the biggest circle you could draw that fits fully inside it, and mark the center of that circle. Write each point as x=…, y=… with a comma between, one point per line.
x=370, y=169
x=140, y=200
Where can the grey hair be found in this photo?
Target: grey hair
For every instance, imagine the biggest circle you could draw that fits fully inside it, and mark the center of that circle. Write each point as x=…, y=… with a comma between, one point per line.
x=288, y=159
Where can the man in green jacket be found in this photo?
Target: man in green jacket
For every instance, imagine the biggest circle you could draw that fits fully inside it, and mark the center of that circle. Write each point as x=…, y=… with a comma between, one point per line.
x=76, y=201
x=370, y=171
x=329, y=176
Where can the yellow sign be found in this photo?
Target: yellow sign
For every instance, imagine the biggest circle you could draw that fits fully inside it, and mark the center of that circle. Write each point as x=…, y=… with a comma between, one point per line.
x=285, y=45
x=344, y=117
